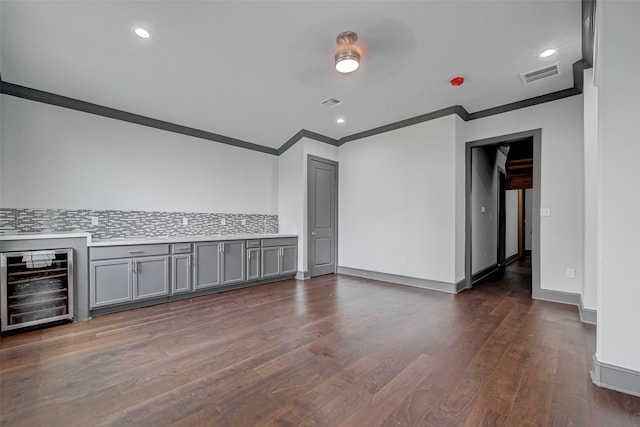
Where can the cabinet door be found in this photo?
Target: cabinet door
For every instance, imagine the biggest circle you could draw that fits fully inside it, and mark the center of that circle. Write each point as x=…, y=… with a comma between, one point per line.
x=207, y=265
x=180, y=273
x=253, y=264
x=289, y=259
x=233, y=267
x=151, y=277
x=270, y=262
x=110, y=282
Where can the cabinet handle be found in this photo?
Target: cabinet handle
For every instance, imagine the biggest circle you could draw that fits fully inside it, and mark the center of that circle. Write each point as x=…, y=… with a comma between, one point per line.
x=136, y=252
x=221, y=247
x=135, y=266
x=131, y=268
x=183, y=249
x=189, y=262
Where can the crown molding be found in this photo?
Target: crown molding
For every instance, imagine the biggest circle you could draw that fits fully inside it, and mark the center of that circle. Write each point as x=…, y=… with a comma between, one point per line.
x=112, y=113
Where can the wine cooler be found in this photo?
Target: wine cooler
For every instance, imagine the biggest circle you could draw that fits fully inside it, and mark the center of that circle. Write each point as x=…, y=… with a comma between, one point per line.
x=36, y=287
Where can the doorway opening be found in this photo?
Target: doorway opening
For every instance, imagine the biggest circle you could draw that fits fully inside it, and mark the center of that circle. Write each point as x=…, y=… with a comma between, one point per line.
x=502, y=194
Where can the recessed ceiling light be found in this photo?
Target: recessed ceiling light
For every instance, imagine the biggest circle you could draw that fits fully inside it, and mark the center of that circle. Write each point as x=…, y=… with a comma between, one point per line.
x=142, y=33
x=547, y=53
x=340, y=120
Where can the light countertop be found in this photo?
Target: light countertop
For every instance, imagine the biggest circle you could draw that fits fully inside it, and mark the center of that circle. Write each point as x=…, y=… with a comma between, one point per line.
x=140, y=240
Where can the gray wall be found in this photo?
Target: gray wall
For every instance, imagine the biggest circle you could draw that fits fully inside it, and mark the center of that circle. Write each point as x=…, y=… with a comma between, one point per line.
x=528, y=218
x=511, y=223
x=484, y=194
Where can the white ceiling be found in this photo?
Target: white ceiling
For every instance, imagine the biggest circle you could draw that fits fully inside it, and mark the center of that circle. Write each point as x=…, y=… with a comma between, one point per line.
x=258, y=71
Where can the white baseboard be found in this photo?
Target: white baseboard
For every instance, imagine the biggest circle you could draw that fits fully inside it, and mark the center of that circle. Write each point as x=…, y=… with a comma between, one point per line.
x=615, y=377
x=434, y=285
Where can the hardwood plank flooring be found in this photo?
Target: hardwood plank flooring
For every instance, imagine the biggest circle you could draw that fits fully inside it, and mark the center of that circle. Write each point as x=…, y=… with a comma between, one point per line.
x=334, y=350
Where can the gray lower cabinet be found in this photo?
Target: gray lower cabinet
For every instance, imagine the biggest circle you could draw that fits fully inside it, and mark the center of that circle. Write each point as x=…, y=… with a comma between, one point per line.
x=279, y=261
x=219, y=263
x=207, y=265
x=289, y=260
x=122, y=274
x=232, y=261
x=253, y=263
x=180, y=273
x=111, y=282
x=150, y=277
x=124, y=280
x=126, y=274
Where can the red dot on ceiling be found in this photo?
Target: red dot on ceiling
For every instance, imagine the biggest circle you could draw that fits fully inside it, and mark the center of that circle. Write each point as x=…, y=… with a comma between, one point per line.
x=457, y=81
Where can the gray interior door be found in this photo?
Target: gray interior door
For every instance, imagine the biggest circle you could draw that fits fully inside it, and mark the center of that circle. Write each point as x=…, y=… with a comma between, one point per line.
x=322, y=179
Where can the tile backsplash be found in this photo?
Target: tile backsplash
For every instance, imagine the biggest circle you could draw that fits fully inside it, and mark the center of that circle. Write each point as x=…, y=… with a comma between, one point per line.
x=112, y=224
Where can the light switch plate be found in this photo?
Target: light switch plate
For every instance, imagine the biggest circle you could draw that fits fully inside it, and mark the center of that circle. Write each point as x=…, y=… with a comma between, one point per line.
x=94, y=220
x=243, y=222
x=571, y=273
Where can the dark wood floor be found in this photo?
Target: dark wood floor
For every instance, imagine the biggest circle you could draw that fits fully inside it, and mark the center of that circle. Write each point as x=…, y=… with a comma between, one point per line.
x=333, y=350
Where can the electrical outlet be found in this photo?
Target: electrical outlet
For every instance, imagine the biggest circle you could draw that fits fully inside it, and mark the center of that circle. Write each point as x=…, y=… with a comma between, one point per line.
x=571, y=273
x=545, y=212
x=243, y=222
x=94, y=220
x=223, y=221
x=185, y=221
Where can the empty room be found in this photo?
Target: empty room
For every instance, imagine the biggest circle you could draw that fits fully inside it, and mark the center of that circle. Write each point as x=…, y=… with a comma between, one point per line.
x=327, y=213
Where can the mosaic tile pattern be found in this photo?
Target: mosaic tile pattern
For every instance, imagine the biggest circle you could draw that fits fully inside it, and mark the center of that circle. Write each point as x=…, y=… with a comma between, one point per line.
x=120, y=224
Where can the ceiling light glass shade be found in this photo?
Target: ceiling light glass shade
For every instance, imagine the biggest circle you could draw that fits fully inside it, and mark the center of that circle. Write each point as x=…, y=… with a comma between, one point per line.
x=142, y=33
x=347, y=61
x=547, y=52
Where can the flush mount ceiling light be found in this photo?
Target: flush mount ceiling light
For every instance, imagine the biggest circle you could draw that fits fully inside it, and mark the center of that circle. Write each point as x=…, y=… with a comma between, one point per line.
x=340, y=120
x=143, y=33
x=347, y=57
x=547, y=53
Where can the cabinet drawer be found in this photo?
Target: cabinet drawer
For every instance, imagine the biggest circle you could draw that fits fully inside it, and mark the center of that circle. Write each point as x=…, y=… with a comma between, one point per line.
x=132, y=251
x=280, y=241
x=253, y=243
x=181, y=248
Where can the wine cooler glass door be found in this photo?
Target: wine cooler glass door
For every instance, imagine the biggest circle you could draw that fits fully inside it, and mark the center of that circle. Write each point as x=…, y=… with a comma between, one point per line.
x=37, y=287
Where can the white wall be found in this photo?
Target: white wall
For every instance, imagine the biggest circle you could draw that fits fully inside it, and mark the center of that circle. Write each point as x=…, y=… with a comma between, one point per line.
x=292, y=193
x=562, y=184
x=484, y=208
x=397, y=202
x=460, y=199
x=511, y=223
x=54, y=157
x=619, y=176
x=590, y=253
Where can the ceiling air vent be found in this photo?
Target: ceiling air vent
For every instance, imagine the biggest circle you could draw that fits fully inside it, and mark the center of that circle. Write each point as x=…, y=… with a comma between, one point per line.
x=331, y=102
x=541, y=73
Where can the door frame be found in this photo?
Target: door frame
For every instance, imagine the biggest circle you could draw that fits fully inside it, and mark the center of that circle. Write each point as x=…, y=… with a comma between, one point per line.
x=307, y=232
x=502, y=218
x=534, y=135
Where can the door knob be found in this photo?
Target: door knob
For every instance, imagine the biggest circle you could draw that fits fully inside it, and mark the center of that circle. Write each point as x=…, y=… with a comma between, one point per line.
x=313, y=233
